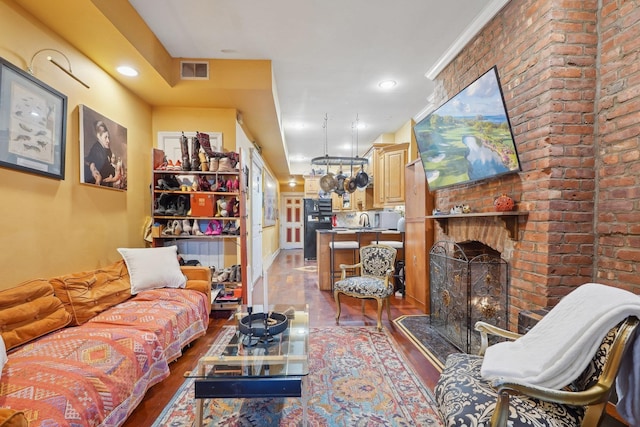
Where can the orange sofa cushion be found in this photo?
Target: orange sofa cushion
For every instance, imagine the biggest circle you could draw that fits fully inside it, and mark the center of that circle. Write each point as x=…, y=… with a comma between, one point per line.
x=29, y=311
x=11, y=418
x=89, y=293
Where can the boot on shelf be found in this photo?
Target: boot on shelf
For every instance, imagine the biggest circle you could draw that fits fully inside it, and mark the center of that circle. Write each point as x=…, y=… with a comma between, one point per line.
x=224, y=165
x=203, y=139
x=213, y=164
x=184, y=147
x=195, y=154
x=182, y=206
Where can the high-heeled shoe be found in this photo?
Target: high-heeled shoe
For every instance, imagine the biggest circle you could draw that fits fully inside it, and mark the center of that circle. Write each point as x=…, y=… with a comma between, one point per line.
x=177, y=228
x=195, y=230
x=213, y=228
x=168, y=229
x=186, y=226
x=203, y=183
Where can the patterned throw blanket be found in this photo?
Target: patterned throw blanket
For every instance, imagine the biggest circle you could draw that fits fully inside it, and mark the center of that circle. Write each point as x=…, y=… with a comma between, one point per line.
x=97, y=373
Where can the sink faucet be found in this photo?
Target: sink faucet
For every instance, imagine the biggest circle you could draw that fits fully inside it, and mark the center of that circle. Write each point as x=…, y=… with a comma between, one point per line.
x=364, y=220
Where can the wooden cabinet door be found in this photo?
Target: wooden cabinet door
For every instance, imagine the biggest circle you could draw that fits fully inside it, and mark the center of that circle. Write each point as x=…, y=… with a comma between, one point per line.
x=362, y=199
x=311, y=187
x=394, y=164
x=378, y=177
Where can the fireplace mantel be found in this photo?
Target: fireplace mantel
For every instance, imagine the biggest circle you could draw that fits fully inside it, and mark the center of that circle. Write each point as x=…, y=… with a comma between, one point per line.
x=510, y=219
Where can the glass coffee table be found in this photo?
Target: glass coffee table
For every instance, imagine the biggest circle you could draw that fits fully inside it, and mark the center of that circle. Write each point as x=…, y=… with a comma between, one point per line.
x=251, y=366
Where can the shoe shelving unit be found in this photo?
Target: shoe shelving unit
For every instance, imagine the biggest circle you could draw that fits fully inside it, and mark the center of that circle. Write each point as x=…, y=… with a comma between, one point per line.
x=204, y=214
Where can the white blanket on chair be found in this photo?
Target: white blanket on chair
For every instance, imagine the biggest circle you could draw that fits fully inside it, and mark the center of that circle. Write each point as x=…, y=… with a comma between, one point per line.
x=559, y=347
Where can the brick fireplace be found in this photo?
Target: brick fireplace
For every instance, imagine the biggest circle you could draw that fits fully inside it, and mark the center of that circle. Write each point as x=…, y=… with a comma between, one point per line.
x=570, y=80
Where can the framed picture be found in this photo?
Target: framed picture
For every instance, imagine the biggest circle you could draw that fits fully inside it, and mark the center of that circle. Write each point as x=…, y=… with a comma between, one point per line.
x=270, y=208
x=32, y=123
x=103, y=151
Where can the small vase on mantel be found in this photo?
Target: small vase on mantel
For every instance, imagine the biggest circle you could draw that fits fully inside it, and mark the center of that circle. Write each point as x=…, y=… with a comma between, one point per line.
x=504, y=203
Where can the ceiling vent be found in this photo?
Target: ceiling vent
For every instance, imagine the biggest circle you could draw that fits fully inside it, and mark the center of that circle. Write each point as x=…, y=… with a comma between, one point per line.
x=194, y=70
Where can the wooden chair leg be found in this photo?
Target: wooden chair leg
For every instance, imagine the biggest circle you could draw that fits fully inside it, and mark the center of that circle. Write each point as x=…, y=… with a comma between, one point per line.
x=380, y=302
x=388, y=302
x=362, y=305
x=336, y=296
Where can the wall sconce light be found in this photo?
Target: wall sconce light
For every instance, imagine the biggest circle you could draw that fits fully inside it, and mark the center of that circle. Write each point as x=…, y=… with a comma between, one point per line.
x=57, y=64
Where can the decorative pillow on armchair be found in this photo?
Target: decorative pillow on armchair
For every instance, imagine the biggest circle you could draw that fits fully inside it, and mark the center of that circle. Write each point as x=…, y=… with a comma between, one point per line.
x=152, y=268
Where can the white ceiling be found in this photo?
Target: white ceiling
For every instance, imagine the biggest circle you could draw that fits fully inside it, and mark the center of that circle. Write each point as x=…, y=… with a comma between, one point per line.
x=328, y=57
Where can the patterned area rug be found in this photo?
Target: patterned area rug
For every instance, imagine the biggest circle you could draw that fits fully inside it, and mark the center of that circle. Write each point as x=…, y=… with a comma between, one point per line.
x=357, y=378
x=428, y=340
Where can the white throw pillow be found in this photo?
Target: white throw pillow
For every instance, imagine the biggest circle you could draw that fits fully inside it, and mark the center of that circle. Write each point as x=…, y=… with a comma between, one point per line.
x=3, y=355
x=152, y=268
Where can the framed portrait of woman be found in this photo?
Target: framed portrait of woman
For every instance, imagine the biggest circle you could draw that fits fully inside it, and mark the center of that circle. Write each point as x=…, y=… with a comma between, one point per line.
x=103, y=151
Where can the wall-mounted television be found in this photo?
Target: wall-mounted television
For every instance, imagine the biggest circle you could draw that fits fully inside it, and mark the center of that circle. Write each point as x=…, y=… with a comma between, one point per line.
x=469, y=137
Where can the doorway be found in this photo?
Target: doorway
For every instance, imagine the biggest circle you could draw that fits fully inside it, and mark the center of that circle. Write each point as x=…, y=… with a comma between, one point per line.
x=291, y=221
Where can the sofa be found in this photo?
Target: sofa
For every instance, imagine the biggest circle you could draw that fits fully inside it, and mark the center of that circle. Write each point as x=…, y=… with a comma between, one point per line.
x=82, y=349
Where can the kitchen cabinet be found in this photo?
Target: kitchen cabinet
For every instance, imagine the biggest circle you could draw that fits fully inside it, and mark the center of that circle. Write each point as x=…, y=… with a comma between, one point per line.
x=394, y=161
x=362, y=199
x=419, y=234
x=342, y=203
x=311, y=187
x=388, y=163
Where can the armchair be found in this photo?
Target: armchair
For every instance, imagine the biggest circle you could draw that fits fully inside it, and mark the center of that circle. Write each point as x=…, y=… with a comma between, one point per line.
x=465, y=397
x=376, y=266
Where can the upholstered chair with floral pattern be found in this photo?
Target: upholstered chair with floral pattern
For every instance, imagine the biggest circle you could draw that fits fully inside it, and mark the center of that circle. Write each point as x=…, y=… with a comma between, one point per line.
x=377, y=263
x=466, y=399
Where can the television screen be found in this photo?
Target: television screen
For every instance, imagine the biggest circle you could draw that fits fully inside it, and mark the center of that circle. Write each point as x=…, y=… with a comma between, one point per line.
x=468, y=138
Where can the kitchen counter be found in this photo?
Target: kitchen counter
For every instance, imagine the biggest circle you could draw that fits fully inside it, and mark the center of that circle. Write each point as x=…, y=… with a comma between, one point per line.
x=363, y=235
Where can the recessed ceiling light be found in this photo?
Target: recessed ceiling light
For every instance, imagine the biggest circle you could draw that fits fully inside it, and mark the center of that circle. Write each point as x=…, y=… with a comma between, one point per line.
x=126, y=70
x=387, y=84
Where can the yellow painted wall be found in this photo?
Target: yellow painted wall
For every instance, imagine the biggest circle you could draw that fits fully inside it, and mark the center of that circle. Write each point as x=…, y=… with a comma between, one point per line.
x=171, y=119
x=52, y=227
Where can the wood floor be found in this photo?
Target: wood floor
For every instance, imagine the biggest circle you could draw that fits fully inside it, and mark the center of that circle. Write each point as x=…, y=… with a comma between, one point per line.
x=292, y=280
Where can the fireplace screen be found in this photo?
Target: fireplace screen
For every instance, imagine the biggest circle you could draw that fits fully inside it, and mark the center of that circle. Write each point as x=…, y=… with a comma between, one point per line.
x=468, y=282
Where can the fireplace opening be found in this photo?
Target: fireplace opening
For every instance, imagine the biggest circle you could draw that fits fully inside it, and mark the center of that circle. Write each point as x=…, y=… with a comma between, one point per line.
x=468, y=283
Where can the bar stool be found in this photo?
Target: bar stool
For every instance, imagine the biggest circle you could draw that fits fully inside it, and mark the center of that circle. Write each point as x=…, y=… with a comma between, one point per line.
x=398, y=274
x=341, y=245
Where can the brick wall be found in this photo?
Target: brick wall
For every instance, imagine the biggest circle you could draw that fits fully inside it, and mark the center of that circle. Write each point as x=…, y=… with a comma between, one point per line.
x=618, y=140
x=562, y=64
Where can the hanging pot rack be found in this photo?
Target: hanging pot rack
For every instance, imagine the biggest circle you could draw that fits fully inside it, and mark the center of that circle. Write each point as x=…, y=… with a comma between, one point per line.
x=328, y=160
x=339, y=160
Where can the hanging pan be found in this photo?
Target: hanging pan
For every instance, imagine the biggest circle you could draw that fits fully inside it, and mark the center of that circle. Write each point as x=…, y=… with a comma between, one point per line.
x=350, y=184
x=362, y=179
x=339, y=189
x=328, y=182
